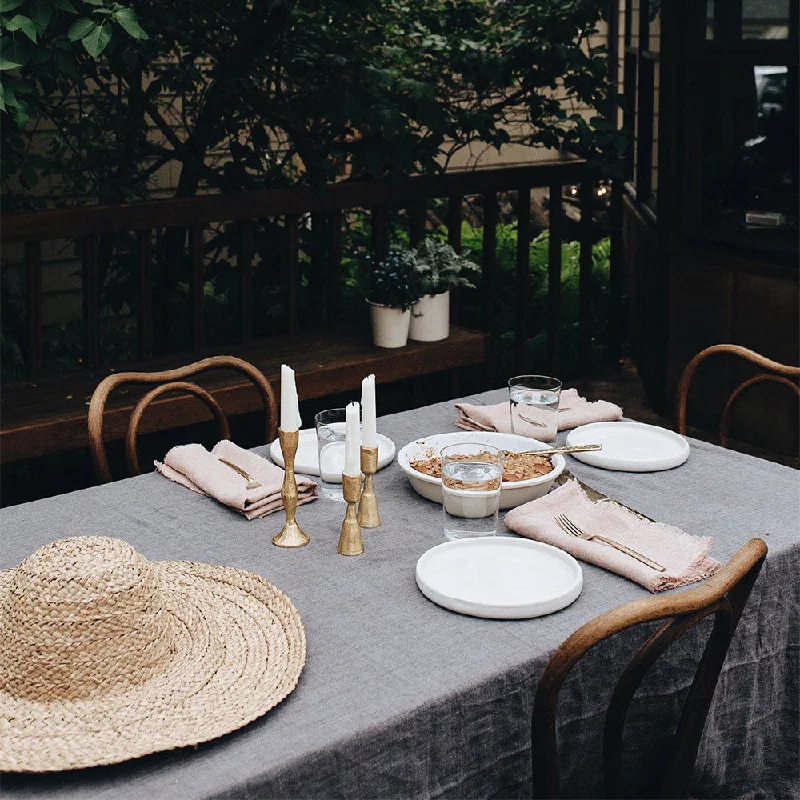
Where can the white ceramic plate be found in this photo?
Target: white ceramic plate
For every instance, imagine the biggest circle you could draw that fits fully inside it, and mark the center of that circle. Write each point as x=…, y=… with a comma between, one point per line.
x=306, y=461
x=499, y=577
x=630, y=446
x=512, y=494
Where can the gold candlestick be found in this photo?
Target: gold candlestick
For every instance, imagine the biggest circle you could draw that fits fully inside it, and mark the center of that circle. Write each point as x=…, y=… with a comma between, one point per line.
x=291, y=534
x=368, y=516
x=350, y=541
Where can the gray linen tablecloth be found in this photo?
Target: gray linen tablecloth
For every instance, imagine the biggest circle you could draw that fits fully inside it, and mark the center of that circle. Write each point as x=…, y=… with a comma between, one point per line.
x=401, y=698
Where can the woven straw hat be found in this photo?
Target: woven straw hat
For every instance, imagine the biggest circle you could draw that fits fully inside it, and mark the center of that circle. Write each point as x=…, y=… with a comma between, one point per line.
x=106, y=656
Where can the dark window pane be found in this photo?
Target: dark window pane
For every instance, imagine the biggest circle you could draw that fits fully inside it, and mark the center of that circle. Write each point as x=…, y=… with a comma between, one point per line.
x=765, y=19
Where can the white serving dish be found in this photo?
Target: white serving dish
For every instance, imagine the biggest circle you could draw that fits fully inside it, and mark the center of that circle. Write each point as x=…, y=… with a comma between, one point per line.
x=630, y=446
x=499, y=577
x=512, y=493
x=306, y=461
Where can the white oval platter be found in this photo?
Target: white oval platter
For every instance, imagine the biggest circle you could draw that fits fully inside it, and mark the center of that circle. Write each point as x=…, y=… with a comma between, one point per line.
x=499, y=577
x=630, y=446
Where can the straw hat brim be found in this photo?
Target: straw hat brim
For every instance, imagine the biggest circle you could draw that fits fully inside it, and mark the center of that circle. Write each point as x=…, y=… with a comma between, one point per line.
x=239, y=650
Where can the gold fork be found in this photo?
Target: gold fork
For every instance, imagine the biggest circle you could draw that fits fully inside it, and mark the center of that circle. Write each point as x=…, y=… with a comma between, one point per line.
x=251, y=482
x=568, y=526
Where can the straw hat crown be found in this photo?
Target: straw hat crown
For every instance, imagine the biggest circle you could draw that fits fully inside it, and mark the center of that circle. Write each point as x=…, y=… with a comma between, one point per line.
x=106, y=656
x=104, y=614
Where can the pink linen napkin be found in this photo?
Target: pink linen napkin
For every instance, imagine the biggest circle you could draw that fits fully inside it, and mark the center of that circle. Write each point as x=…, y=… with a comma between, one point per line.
x=573, y=410
x=194, y=467
x=685, y=557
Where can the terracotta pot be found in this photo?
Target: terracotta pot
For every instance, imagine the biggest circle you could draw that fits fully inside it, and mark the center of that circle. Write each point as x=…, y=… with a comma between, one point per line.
x=389, y=325
x=430, y=318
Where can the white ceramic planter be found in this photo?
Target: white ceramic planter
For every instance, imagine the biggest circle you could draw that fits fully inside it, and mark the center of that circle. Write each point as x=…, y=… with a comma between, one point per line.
x=389, y=325
x=430, y=318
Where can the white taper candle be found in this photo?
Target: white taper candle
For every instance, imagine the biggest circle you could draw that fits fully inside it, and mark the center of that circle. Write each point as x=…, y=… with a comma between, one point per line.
x=290, y=412
x=352, y=441
x=369, y=432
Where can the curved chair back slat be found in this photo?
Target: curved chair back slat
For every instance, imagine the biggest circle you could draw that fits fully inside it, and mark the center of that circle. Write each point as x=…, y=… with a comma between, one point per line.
x=724, y=596
x=169, y=381
x=777, y=372
x=131, y=457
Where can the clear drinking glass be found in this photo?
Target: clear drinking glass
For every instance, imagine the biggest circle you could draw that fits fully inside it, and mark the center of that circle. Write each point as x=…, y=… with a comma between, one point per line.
x=533, y=403
x=472, y=476
x=331, y=427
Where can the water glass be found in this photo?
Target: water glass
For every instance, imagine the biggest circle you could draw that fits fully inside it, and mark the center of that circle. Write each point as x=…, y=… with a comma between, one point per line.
x=472, y=476
x=533, y=403
x=331, y=427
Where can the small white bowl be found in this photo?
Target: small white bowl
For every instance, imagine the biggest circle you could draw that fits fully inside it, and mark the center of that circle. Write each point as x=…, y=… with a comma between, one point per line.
x=513, y=493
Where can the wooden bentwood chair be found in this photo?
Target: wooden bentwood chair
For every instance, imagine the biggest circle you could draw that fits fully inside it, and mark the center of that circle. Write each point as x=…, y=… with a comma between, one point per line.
x=777, y=373
x=724, y=595
x=169, y=381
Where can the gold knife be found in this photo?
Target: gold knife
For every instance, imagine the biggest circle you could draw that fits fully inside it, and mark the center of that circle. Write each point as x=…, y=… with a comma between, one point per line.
x=599, y=497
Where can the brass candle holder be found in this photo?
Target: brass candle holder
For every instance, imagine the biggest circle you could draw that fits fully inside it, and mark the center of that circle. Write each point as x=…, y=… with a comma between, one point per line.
x=291, y=534
x=350, y=541
x=368, y=516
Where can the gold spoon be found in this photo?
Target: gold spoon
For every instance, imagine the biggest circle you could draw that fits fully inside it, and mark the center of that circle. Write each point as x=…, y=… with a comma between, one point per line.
x=577, y=448
x=251, y=482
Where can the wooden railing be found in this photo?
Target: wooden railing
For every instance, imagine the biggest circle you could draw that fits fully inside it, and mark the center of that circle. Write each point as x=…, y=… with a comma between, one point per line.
x=326, y=206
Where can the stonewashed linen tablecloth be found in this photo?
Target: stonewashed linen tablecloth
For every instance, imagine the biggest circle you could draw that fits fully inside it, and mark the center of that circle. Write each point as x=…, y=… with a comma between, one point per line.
x=401, y=698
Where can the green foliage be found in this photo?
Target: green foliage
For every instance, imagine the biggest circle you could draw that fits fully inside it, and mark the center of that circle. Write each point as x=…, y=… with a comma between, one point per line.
x=40, y=55
x=539, y=307
x=243, y=95
x=440, y=268
x=394, y=280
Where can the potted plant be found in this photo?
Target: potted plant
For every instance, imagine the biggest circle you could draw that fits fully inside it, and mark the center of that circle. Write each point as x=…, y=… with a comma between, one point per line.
x=394, y=287
x=439, y=268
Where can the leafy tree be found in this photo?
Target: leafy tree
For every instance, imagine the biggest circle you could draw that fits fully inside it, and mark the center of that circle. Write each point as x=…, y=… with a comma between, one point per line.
x=250, y=93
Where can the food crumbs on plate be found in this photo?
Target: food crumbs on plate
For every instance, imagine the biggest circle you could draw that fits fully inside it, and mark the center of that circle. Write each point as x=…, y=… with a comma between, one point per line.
x=517, y=467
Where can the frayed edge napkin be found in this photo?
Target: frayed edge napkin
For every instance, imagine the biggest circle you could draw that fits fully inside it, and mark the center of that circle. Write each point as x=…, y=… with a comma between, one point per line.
x=192, y=466
x=685, y=557
x=573, y=410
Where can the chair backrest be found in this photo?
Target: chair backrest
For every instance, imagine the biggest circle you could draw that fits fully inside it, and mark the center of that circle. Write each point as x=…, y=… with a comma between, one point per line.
x=168, y=381
x=778, y=373
x=724, y=595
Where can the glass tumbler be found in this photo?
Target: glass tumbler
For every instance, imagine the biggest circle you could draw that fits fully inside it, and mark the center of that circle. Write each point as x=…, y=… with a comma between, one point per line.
x=331, y=427
x=533, y=401
x=472, y=476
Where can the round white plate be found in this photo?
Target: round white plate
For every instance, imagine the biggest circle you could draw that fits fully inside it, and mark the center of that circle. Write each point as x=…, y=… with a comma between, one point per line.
x=499, y=577
x=630, y=446
x=306, y=461
x=512, y=494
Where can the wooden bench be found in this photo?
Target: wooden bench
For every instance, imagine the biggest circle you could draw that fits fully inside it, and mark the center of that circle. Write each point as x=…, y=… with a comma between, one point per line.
x=50, y=415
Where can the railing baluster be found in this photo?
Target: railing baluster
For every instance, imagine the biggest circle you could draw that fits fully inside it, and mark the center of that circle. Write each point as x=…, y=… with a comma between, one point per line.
x=585, y=275
x=489, y=268
x=316, y=277
x=145, y=321
x=454, y=217
x=380, y=230
x=416, y=219
x=555, y=212
x=244, y=263
x=33, y=281
x=523, y=278
x=334, y=265
x=616, y=277
x=197, y=285
x=293, y=273
x=91, y=307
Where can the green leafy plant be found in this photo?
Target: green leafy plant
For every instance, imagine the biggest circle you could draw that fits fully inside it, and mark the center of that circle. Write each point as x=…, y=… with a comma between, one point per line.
x=440, y=268
x=237, y=96
x=393, y=280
